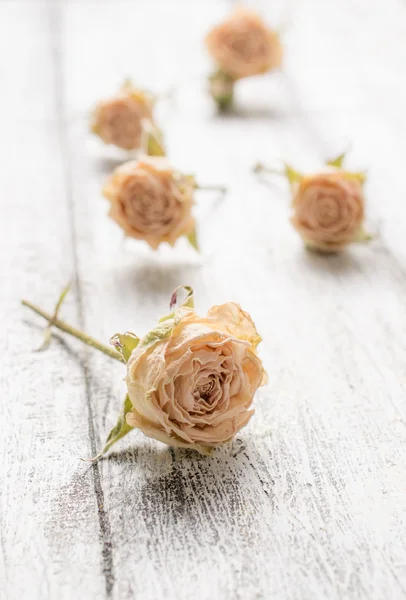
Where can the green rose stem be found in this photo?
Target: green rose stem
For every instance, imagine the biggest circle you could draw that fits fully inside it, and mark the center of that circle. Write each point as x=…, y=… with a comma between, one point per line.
x=211, y=188
x=87, y=339
x=291, y=175
x=261, y=168
x=192, y=237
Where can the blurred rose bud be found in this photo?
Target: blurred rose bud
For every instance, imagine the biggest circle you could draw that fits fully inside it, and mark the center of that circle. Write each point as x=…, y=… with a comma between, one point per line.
x=119, y=120
x=151, y=201
x=243, y=45
x=328, y=209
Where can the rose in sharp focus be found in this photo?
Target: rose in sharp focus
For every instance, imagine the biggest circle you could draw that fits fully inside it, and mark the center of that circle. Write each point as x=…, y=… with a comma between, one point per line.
x=243, y=45
x=329, y=209
x=191, y=381
x=151, y=201
x=119, y=120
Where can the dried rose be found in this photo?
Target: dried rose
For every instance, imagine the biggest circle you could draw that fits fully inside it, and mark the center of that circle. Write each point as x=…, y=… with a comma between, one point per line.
x=329, y=210
x=152, y=202
x=241, y=46
x=191, y=380
x=122, y=119
x=328, y=207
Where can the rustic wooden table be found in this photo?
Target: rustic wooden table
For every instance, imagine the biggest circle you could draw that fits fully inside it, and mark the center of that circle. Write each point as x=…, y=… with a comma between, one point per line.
x=309, y=502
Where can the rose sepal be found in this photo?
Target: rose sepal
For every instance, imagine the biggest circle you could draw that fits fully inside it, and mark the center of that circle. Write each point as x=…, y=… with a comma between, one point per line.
x=152, y=143
x=359, y=176
x=363, y=236
x=192, y=239
x=120, y=429
x=125, y=343
x=337, y=162
x=292, y=175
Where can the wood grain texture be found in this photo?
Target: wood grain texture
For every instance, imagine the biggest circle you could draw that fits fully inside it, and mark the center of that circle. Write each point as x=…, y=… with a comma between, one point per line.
x=308, y=503
x=49, y=525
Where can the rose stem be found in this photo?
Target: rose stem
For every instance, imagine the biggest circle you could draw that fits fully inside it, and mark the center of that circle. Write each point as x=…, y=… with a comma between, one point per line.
x=261, y=168
x=74, y=332
x=212, y=188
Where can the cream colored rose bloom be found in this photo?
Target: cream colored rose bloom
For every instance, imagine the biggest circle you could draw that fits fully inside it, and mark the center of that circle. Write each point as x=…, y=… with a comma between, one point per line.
x=119, y=120
x=243, y=45
x=329, y=209
x=151, y=201
x=194, y=388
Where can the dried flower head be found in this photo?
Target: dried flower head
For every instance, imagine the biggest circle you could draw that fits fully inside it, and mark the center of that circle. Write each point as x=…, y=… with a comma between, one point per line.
x=243, y=45
x=329, y=208
x=121, y=120
x=151, y=201
x=191, y=380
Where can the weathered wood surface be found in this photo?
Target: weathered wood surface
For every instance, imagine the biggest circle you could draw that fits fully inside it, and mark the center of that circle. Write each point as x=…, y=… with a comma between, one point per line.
x=309, y=503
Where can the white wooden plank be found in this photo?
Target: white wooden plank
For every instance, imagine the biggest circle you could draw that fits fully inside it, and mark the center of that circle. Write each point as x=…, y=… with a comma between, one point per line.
x=49, y=526
x=308, y=503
